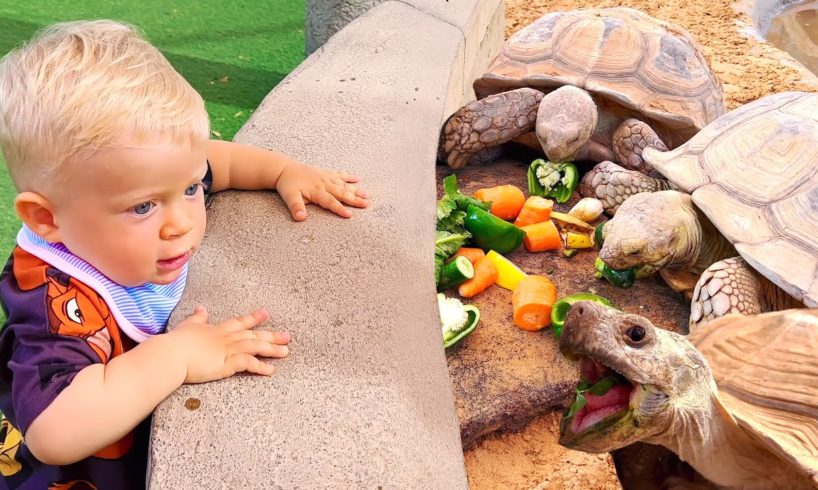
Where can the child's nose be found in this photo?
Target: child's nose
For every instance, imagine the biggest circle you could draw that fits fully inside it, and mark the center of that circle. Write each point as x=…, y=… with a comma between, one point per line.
x=177, y=224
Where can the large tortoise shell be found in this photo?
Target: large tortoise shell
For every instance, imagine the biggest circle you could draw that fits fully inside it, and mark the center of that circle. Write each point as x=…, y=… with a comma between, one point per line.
x=650, y=67
x=764, y=367
x=754, y=173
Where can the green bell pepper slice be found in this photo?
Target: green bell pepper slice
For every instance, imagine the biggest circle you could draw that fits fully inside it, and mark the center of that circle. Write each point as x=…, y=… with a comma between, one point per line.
x=561, y=307
x=599, y=235
x=623, y=279
x=492, y=233
x=564, y=175
x=474, y=318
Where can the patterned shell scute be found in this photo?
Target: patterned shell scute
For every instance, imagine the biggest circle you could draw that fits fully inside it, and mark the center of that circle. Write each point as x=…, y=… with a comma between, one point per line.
x=758, y=169
x=767, y=377
x=648, y=66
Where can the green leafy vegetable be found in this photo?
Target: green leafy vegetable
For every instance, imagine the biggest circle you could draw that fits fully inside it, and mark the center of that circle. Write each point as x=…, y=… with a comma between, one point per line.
x=600, y=388
x=451, y=233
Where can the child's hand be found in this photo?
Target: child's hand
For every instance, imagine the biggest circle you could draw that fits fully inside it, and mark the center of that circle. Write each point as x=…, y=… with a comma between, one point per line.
x=299, y=184
x=220, y=351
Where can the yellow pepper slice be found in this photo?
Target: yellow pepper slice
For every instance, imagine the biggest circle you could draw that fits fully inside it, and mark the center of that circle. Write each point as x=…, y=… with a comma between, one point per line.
x=578, y=240
x=508, y=274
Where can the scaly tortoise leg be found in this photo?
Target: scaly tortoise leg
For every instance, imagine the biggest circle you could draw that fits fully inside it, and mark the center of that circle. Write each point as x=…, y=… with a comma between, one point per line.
x=630, y=138
x=488, y=122
x=612, y=184
x=732, y=286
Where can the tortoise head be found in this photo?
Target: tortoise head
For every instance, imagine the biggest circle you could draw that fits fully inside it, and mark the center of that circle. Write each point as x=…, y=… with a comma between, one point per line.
x=655, y=376
x=566, y=119
x=652, y=230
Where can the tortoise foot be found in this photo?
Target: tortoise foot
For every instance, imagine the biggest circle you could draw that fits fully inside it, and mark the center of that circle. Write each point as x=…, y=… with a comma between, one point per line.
x=728, y=286
x=488, y=122
x=629, y=139
x=612, y=184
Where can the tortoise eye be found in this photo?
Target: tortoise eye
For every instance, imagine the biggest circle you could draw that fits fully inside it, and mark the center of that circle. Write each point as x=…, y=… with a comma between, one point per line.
x=636, y=334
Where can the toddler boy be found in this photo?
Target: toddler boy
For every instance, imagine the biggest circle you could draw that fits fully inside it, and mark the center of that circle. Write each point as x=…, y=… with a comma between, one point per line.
x=108, y=149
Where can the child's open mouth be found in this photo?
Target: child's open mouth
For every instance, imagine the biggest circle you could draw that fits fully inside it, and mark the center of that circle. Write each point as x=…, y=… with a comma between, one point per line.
x=173, y=263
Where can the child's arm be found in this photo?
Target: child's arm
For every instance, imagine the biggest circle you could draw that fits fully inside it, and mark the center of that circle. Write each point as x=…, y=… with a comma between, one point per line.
x=105, y=402
x=243, y=167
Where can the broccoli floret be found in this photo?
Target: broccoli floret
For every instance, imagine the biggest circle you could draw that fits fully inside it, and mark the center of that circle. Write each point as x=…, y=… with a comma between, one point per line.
x=453, y=315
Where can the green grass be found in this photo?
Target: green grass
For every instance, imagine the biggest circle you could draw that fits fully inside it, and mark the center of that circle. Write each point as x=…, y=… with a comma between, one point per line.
x=233, y=52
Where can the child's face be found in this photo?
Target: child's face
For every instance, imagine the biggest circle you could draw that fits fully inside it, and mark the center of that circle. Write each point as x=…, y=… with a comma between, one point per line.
x=136, y=213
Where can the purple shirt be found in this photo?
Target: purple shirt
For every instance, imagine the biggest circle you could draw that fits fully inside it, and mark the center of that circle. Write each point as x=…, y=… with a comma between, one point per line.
x=56, y=327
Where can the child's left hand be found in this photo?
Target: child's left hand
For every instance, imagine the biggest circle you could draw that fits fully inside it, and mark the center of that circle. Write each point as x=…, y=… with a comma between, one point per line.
x=299, y=184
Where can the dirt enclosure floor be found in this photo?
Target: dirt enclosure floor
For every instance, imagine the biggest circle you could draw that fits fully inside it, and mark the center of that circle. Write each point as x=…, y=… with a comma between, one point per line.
x=748, y=69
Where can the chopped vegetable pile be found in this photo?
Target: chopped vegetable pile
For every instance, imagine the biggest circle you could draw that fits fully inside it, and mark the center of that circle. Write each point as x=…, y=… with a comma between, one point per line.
x=473, y=235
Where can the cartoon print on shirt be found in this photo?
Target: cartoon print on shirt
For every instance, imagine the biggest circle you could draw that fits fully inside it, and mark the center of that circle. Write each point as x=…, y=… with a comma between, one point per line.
x=74, y=309
x=10, y=441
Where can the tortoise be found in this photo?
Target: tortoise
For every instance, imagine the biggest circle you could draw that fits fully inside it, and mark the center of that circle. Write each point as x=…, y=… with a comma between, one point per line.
x=737, y=399
x=599, y=84
x=753, y=175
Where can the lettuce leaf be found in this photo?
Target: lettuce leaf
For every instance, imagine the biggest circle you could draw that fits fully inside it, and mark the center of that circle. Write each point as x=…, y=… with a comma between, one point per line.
x=451, y=232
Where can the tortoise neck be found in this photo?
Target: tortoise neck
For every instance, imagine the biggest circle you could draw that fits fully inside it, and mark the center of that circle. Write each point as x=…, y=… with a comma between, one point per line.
x=704, y=244
x=709, y=439
x=774, y=298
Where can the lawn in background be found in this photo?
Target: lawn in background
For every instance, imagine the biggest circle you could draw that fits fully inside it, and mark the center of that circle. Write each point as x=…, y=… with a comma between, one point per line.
x=232, y=52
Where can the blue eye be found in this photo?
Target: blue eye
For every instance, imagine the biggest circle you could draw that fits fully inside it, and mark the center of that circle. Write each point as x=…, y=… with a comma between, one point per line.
x=143, y=209
x=192, y=190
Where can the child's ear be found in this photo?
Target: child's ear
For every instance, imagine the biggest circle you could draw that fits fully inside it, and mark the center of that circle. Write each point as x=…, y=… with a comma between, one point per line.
x=37, y=213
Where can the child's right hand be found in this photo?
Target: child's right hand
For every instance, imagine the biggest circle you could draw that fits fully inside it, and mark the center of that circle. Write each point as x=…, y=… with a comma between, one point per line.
x=220, y=351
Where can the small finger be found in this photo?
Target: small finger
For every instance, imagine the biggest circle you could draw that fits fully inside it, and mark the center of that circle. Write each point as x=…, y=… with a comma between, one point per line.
x=349, y=177
x=199, y=314
x=280, y=338
x=251, y=364
x=351, y=194
x=295, y=203
x=362, y=193
x=258, y=347
x=328, y=201
x=246, y=322
x=352, y=200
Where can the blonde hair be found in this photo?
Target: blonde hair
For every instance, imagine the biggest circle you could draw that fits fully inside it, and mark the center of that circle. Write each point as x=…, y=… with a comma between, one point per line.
x=78, y=87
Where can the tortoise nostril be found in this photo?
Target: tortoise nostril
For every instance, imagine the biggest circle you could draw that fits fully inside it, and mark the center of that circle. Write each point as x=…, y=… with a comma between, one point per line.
x=580, y=310
x=632, y=247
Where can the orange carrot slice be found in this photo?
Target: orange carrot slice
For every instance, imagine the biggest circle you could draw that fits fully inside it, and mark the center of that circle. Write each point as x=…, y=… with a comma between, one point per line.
x=533, y=299
x=473, y=254
x=535, y=210
x=485, y=274
x=506, y=200
x=542, y=236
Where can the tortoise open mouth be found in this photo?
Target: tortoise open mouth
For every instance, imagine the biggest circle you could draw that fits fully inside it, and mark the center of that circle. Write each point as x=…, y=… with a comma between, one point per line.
x=603, y=398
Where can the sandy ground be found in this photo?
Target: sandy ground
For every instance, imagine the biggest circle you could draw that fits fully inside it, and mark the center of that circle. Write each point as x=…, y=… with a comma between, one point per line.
x=747, y=69
x=533, y=459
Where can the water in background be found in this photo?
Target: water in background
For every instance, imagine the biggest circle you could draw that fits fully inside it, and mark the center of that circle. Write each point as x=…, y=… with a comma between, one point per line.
x=795, y=31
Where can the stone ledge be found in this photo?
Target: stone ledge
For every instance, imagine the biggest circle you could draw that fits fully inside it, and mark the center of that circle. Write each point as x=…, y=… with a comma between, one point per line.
x=364, y=400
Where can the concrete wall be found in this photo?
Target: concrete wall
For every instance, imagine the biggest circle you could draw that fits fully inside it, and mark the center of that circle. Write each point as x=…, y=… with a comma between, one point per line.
x=364, y=400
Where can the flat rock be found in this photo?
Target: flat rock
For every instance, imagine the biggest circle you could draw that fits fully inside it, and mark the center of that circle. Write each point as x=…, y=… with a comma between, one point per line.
x=503, y=376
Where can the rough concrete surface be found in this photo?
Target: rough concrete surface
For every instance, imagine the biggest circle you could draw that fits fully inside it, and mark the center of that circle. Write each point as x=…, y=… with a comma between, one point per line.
x=364, y=399
x=481, y=24
x=503, y=376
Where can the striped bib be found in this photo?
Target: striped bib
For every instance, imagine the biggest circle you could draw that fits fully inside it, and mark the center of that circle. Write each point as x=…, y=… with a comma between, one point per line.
x=140, y=311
